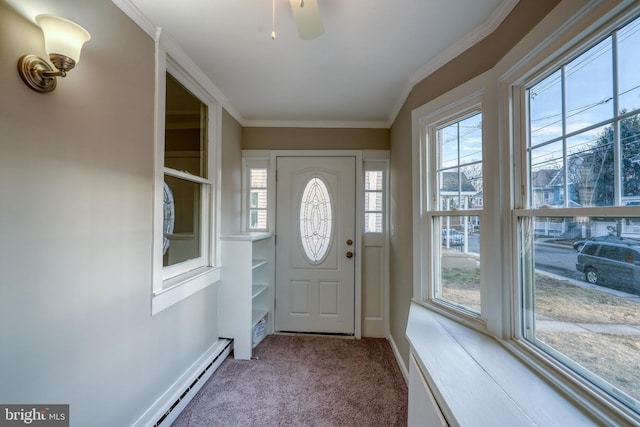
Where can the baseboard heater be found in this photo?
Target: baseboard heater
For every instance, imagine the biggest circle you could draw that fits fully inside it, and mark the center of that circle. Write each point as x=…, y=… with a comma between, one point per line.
x=194, y=386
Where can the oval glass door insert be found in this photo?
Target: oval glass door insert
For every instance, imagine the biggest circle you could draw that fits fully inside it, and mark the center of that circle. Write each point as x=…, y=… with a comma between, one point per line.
x=316, y=220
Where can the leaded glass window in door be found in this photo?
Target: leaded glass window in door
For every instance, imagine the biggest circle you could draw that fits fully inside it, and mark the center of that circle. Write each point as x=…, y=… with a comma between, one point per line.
x=316, y=220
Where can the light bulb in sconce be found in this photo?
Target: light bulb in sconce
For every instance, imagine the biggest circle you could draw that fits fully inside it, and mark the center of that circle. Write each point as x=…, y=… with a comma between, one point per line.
x=63, y=43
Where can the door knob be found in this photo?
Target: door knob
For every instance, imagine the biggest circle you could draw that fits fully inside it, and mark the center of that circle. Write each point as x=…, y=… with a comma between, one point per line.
x=349, y=254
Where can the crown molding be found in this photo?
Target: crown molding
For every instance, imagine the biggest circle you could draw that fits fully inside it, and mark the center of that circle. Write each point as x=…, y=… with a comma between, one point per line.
x=441, y=59
x=178, y=54
x=316, y=124
x=467, y=41
x=138, y=17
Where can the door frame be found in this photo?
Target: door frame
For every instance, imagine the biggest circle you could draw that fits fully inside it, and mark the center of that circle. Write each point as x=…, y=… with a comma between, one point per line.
x=271, y=201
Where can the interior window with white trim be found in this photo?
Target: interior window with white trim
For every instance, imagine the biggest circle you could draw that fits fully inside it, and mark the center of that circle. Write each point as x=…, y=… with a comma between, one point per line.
x=186, y=179
x=185, y=210
x=257, y=198
x=579, y=225
x=455, y=206
x=374, y=201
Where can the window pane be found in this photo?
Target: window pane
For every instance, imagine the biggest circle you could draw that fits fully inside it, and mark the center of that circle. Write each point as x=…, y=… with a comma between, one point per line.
x=456, y=190
x=316, y=220
x=547, y=175
x=258, y=199
x=589, y=87
x=545, y=109
x=628, y=76
x=471, y=140
x=460, y=163
x=458, y=270
x=473, y=173
x=258, y=178
x=630, y=139
x=584, y=303
x=448, y=146
x=372, y=201
x=373, y=222
x=373, y=180
x=590, y=166
x=258, y=219
x=183, y=243
x=185, y=130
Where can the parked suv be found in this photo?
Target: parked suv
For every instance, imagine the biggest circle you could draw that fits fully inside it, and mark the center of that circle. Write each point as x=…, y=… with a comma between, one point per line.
x=617, y=264
x=608, y=238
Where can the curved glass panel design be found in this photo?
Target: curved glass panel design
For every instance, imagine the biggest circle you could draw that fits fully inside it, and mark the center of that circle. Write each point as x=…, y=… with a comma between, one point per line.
x=316, y=220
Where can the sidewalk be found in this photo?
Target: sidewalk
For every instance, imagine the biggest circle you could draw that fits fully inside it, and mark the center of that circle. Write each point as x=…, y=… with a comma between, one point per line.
x=593, y=328
x=585, y=285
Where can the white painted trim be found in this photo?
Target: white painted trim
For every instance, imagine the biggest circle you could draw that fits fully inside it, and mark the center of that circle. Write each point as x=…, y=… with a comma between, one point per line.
x=156, y=33
x=462, y=100
x=138, y=17
x=423, y=72
x=399, y=359
x=465, y=42
x=318, y=124
x=470, y=39
x=184, y=288
x=249, y=163
x=357, y=154
x=498, y=388
x=151, y=416
x=375, y=155
x=607, y=409
x=372, y=158
x=175, y=283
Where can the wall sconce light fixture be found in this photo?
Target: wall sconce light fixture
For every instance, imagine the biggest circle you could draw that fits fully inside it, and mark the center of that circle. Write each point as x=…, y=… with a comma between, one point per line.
x=63, y=42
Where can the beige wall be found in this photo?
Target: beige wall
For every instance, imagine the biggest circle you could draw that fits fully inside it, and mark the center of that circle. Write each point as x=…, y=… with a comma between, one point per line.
x=231, y=174
x=76, y=184
x=476, y=60
x=280, y=138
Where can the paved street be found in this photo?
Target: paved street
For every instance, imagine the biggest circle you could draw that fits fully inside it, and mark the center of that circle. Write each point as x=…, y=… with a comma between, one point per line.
x=558, y=261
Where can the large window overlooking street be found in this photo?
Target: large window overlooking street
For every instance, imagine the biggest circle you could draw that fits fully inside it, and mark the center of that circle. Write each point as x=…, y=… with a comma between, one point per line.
x=579, y=229
x=584, y=129
x=457, y=166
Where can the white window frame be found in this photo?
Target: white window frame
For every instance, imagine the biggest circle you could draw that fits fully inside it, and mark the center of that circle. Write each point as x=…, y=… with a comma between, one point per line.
x=581, y=26
x=376, y=166
x=175, y=283
x=466, y=100
x=248, y=164
x=564, y=30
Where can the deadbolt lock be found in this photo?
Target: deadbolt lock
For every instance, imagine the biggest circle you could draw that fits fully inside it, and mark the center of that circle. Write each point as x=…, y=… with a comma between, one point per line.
x=349, y=242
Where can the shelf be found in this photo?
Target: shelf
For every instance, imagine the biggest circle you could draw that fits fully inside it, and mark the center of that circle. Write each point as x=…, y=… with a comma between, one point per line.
x=258, y=314
x=251, y=236
x=255, y=263
x=245, y=292
x=257, y=289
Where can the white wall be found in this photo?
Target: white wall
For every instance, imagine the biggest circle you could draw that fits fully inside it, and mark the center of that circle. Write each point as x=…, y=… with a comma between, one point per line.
x=76, y=174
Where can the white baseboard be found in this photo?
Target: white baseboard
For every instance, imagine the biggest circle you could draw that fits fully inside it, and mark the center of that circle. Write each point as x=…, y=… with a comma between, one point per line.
x=399, y=359
x=168, y=406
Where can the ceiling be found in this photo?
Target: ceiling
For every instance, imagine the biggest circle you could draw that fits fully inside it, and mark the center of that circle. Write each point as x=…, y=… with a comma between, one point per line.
x=357, y=74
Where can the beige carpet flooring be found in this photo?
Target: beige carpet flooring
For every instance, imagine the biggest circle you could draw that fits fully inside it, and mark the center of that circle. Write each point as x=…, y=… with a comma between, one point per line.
x=301, y=380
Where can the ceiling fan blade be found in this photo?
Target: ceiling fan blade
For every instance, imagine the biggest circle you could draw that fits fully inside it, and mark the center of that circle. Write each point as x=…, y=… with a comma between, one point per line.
x=307, y=17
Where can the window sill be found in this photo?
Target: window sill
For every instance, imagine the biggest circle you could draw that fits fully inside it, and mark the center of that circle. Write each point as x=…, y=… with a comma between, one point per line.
x=478, y=382
x=183, y=286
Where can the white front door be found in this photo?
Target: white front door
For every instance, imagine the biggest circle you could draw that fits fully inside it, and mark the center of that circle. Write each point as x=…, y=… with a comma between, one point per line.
x=315, y=244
